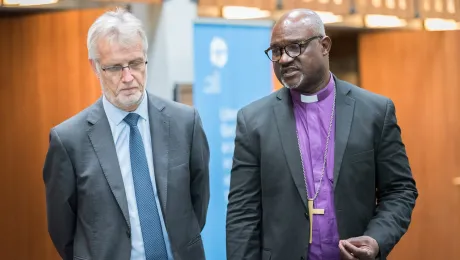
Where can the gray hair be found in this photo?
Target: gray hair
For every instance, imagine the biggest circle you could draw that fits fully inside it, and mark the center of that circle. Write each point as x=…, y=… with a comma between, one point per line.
x=120, y=26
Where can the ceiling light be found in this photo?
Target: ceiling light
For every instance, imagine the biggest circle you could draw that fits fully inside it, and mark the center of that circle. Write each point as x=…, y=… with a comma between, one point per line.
x=28, y=2
x=437, y=24
x=383, y=21
x=242, y=12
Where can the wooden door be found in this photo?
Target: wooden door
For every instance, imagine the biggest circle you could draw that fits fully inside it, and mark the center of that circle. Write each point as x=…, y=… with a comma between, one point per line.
x=45, y=78
x=420, y=72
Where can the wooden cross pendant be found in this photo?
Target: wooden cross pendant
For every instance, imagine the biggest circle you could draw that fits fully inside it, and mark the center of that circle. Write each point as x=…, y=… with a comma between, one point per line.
x=312, y=211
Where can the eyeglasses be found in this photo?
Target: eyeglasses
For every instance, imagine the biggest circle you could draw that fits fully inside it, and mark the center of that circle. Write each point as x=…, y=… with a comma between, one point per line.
x=117, y=70
x=292, y=50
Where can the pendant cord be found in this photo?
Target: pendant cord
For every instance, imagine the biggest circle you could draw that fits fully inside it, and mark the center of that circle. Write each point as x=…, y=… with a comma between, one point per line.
x=325, y=153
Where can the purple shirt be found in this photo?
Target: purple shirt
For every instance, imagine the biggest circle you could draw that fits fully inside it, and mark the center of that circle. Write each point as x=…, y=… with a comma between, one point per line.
x=312, y=123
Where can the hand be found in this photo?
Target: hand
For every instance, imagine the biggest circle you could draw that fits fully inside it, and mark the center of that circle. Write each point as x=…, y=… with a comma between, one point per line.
x=362, y=248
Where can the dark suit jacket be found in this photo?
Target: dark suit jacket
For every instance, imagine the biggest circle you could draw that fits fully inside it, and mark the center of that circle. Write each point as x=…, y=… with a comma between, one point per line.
x=85, y=197
x=267, y=214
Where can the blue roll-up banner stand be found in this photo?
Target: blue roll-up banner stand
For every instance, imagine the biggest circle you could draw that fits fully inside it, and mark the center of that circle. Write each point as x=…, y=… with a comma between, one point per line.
x=230, y=70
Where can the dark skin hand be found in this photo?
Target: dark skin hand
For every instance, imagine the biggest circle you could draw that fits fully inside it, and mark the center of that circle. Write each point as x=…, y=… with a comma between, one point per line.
x=363, y=248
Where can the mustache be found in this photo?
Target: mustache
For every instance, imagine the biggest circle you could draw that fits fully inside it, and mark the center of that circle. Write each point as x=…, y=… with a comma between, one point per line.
x=284, y=69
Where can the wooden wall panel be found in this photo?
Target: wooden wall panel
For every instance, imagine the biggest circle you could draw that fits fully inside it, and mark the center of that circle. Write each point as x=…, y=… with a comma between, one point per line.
x=262, y=4
x=343, y=57
x=46, y=78
x=400, y=8
x=335, y=6
x=419, y=71
x=447, y=9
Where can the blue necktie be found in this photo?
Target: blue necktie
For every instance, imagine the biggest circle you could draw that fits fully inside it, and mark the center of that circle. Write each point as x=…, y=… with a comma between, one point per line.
x=152, y=233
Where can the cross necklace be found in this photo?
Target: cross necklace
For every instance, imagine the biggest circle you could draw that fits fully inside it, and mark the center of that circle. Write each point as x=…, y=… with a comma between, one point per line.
x=311, y=210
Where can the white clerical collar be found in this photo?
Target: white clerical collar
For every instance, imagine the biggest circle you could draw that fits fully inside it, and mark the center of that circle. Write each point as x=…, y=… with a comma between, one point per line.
x=308, y=99
x=321, y=95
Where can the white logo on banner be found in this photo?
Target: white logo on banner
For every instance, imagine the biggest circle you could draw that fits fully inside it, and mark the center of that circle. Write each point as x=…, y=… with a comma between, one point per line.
x=212, y=83
x=218, y=52
x=218, y=55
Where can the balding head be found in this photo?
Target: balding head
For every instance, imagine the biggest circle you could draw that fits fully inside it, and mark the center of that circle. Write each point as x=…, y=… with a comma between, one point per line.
x=305, y=17
x=305, y=66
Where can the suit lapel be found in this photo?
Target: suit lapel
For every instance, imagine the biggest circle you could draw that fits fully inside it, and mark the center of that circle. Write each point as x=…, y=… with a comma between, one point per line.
x=285, y=122
x=101, y=138
x=159, y=131
x=344, y=115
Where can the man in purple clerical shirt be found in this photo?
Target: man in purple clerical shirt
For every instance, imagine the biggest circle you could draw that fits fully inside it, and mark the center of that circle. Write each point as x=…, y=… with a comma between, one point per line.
x=320, y=171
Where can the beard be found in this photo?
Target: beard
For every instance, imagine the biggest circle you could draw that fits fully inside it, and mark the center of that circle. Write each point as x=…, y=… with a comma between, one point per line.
x=124, y=101
x=293, y=85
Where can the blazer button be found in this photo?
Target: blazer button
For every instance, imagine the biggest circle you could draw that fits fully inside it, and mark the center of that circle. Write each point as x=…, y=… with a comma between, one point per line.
x=302, y=258
x=128, y=233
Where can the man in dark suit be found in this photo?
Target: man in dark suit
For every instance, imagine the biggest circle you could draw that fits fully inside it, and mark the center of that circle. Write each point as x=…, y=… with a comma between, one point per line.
x=319, y=170
x=127, y=178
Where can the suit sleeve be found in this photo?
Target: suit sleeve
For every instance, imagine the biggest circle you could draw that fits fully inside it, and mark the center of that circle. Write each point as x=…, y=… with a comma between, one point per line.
x=244, y=200
x=396, y=188
x=60, y=186
x=199, y=167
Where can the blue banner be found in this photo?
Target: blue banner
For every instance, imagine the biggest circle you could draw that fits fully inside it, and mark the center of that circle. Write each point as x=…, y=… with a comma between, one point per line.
x=231, y=70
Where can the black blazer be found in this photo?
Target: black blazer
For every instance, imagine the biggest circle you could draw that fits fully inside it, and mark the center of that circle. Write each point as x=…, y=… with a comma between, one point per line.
x=267, y=209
